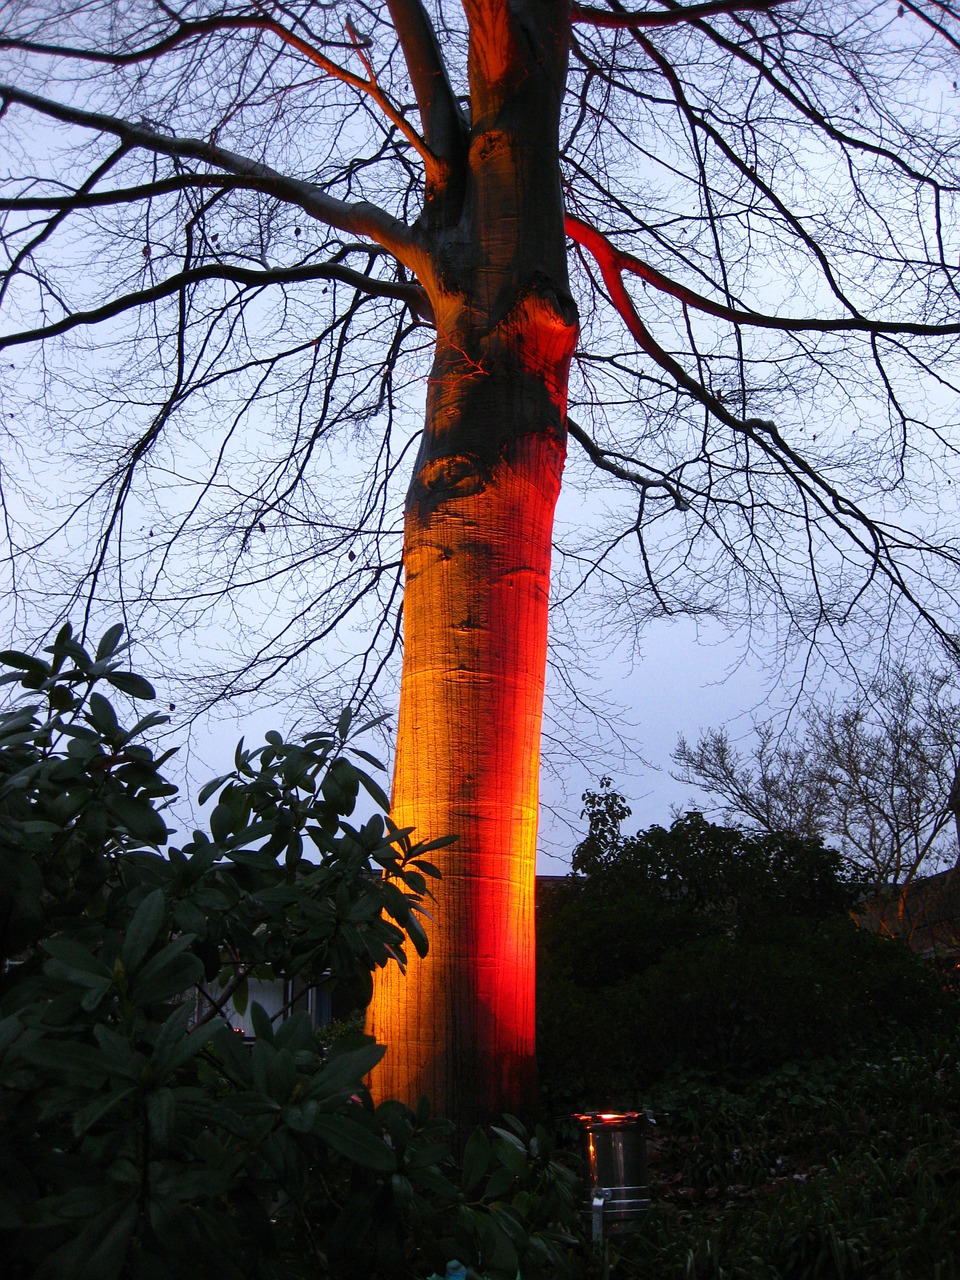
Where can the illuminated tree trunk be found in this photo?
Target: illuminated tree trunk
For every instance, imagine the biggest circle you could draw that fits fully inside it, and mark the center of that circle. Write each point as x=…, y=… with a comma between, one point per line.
x=459, y=1025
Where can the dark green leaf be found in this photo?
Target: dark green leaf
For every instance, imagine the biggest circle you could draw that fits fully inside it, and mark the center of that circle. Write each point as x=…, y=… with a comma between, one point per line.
x=476, y=1159
x=150, y=722
x=74, y=957
x=133, y=685
x=427, y=868
x=371, y=724
x=371, y=833
x=368, y=758
x=167, y=974
x=262, y=1026
x=61, y=699
x=301, y=1118
x=376, y=792
x=161, y=1110
x=221, y=822
x=107, y=1257
x=74, y=649
x=504, y=1253
x=499, y=1183
x=403, y=1193
x=24, y=662
x=93, y=996
x=117, y=1049
x=173, y=1046
x=233, y=1052
x=138, y=816
x=109, y=641
x=240, y=997
x=356, y=1142
x=511, y=1137
x=189, y=918
x=15, y=721
x=417, y=935
x=141, y=932
x=512, y=1157
x=441, y=842
x=346, y=1069
x=208, y=788
x=101, y=1106
x=70, y=1059
x=340, y=786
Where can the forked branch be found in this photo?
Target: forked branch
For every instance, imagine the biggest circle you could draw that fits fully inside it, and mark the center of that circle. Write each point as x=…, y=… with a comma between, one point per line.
x=184, y=34
x=362, y=218
x=872, y=539
x=444, y=125
x=598, y=245
x=246, y=277
x=435, y=169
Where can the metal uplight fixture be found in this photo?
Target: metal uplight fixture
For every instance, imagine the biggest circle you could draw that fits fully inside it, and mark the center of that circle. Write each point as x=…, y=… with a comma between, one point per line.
x=613, y=1148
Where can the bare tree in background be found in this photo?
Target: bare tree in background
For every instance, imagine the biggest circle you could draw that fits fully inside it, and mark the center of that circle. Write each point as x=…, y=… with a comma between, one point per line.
x=246, y=242
x=874, y=773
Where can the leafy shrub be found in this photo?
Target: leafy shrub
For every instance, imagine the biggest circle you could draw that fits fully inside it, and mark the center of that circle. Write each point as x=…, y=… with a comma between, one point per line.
x=735, y=1008
x=513, y=1209
x=141, y=1137
x=734, y=876
x=599, y=935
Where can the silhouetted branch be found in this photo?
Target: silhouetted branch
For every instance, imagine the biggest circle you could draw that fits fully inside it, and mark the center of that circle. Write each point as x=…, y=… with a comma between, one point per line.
x=676, y=14
x=359, y=219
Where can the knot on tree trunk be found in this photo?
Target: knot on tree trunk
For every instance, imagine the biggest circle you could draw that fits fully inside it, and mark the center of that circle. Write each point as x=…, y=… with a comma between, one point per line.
x=490, y=386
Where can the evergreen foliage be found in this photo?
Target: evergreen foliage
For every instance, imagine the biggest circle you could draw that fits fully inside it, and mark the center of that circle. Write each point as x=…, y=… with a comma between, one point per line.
x=842, y=1168
x=141, y=1136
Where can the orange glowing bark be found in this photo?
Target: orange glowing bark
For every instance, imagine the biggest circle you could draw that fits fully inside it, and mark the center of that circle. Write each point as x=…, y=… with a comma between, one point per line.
x=460, y=1023
x=459, y=1026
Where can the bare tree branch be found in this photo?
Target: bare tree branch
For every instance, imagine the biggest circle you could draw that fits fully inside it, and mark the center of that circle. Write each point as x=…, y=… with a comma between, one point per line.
x=582, y=233
x=362, y=219
x=410, y=294
x=185, y=33
x=676, y=14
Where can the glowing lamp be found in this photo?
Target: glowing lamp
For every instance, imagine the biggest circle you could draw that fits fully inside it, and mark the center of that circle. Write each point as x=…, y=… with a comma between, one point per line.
x=614, y=1154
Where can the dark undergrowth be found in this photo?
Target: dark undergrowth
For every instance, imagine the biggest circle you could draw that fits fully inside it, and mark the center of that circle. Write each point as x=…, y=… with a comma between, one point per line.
x=845, y=1168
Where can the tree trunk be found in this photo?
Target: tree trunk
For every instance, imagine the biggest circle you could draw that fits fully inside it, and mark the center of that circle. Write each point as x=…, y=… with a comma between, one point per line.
x=459, y=1026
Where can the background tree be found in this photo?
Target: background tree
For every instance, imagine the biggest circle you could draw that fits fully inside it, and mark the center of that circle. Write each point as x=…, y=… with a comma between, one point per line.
x=707, y=947
x=267, y=224
x=875, y=772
